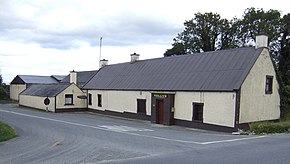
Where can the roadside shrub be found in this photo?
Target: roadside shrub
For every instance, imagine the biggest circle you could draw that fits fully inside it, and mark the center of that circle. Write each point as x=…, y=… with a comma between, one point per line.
x=286, y=116
x=270, y=127
x=6, y=132
x=3, y=93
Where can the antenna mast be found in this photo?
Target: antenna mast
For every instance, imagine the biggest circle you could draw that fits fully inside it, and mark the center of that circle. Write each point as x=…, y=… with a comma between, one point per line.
x=101, y=38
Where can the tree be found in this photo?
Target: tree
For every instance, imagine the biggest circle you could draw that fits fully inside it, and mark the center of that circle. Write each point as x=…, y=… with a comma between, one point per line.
x=177, y=49
x=284, y=56
x=1, y=80
x=257, y=21
x=284, y=64
x=205, y=32
x=208, y=32
x=3, y=94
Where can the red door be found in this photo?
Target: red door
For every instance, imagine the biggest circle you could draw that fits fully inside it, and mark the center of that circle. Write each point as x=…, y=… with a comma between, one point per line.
x=160, y=111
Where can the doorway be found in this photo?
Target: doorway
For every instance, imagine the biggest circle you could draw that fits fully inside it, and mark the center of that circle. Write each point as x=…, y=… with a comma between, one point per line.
x=159, y=111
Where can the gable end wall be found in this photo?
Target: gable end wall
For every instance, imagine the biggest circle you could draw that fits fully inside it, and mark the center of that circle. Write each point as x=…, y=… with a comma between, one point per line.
x=255, y=105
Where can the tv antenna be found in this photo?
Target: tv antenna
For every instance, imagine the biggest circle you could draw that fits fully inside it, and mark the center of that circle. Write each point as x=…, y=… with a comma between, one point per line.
x=101, y=38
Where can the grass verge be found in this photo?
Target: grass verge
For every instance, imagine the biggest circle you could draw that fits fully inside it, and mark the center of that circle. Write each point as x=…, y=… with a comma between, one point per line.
x=6, y=132
x=268, y=127
x=7, y=101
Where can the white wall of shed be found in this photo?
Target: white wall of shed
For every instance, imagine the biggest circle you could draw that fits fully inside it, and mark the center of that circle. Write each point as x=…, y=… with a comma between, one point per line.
x=36, y=102
x=15, y=90
x=77, y=102
x=255, y=104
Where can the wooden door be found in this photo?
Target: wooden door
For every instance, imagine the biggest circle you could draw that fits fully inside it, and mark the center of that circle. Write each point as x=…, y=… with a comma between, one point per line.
x=160, y=111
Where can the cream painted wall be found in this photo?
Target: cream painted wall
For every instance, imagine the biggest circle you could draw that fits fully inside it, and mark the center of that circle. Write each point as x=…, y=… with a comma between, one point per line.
x=15, y=89
x=255, y=104
x=120, y=101
x=219, y=107
x=77, y=102
x=36, y=102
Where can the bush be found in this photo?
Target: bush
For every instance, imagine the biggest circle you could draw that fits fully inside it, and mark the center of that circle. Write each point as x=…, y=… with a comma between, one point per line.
x=286, y=116
x=3, y=93
x=270, y=127
x=6, y=132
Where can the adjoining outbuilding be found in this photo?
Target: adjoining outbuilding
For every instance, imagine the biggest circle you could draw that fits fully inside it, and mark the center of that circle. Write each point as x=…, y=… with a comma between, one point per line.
x=221, y=90
x=21, y=82
x=54, y=97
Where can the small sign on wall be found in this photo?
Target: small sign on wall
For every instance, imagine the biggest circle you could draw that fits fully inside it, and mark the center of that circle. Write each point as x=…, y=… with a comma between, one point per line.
x=161, y=96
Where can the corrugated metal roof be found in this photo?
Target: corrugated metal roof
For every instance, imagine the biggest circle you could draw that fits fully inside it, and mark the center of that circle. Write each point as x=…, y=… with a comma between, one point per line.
x=44, y=90
x=32, y=79
x=223, y=70
x=82, y=77
x=58, y=77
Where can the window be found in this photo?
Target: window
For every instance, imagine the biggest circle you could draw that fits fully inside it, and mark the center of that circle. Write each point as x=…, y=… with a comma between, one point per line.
x=269, y=85
x=68, y=99
x=197, y=112
x=99, y=100
x=90, y=99
x=141, y=106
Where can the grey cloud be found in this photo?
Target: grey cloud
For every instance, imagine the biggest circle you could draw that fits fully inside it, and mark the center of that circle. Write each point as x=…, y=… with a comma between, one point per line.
x=118, y=30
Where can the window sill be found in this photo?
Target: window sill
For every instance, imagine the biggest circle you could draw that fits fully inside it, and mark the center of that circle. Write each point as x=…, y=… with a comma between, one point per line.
x=68, y=104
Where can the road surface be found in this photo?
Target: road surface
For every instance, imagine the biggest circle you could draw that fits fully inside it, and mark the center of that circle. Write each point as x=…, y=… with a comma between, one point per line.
x=92, y=138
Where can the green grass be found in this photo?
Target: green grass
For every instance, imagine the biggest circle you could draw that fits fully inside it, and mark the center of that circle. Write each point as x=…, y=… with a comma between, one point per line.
x=268, y=127
x=7, y=101
x=6, y=132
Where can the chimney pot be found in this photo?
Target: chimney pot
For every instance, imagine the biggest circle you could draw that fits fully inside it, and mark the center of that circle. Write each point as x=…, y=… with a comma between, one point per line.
x=261, y=41
x=73, y=77
x=134, y=57
x=103, y=63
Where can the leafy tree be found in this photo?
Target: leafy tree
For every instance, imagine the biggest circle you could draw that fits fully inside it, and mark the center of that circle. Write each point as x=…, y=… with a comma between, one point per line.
x=177, y=49
x=208, y=32
x=284, y=56
x=4, y=90
x=228, y=34
x=284, y=64
x=3, y=93
x=205, y=32
x=1, y=80
x=257, y=21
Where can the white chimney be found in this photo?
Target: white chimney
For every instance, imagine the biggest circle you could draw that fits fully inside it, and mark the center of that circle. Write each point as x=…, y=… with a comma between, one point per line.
x=103, y=63
x=261, y=41
x=134, y=57
x=73, y=77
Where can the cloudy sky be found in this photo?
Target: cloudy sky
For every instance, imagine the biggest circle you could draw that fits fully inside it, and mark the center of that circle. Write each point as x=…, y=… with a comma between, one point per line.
x=53, y=37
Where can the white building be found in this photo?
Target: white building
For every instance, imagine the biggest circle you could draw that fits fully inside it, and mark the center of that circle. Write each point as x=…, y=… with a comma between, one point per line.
x=221, y=90
x=58, y=97
x=21, y=82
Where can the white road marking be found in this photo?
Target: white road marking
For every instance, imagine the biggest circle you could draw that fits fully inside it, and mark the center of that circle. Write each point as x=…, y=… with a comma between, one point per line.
x=232, y=140
x=118, y=129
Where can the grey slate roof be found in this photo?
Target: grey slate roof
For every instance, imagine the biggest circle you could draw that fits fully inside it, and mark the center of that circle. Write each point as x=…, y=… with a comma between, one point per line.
x=32, y=79
x=223, y=70
x=58, y=77
x=82, y=77
x=44, y=90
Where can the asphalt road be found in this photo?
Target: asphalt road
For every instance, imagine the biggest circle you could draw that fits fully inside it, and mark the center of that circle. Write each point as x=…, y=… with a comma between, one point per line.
x=91, y=138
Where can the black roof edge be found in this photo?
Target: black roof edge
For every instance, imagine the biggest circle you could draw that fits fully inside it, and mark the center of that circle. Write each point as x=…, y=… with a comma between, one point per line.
x=138, y=90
